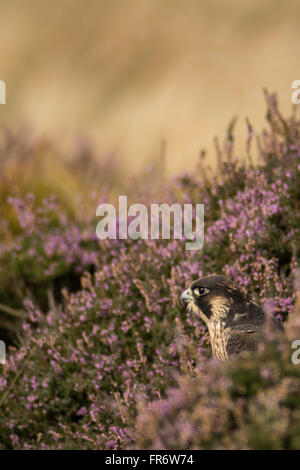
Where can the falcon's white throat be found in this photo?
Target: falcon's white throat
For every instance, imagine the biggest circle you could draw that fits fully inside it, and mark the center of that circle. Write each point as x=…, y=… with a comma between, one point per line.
x=220, y=307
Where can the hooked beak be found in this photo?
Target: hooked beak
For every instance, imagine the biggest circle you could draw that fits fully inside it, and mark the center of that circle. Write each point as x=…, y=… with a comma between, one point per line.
x=186, y=296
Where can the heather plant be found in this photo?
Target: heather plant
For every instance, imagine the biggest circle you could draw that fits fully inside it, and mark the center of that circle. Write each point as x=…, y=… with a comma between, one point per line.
x=97, y=336
x=252, y=404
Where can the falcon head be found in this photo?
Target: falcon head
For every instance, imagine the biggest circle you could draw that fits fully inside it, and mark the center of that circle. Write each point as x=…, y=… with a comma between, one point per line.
x=214, y=298
x=233, y=321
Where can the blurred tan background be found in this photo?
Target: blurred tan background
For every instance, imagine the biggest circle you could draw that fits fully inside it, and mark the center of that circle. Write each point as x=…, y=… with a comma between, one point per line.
x=129, y=73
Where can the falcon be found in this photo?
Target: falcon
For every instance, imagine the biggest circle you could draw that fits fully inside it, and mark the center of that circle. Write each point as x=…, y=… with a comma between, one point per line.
x=234, y=322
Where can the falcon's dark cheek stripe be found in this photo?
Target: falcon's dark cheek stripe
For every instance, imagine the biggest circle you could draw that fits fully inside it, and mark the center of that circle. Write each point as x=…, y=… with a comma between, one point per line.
x=196, y=310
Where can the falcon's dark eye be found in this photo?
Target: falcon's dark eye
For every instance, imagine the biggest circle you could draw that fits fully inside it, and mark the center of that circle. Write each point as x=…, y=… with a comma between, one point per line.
x=198, y=291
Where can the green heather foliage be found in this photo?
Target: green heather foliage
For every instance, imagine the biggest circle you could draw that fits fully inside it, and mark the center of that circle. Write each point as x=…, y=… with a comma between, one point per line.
x=252, y=404
x=101, y=355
